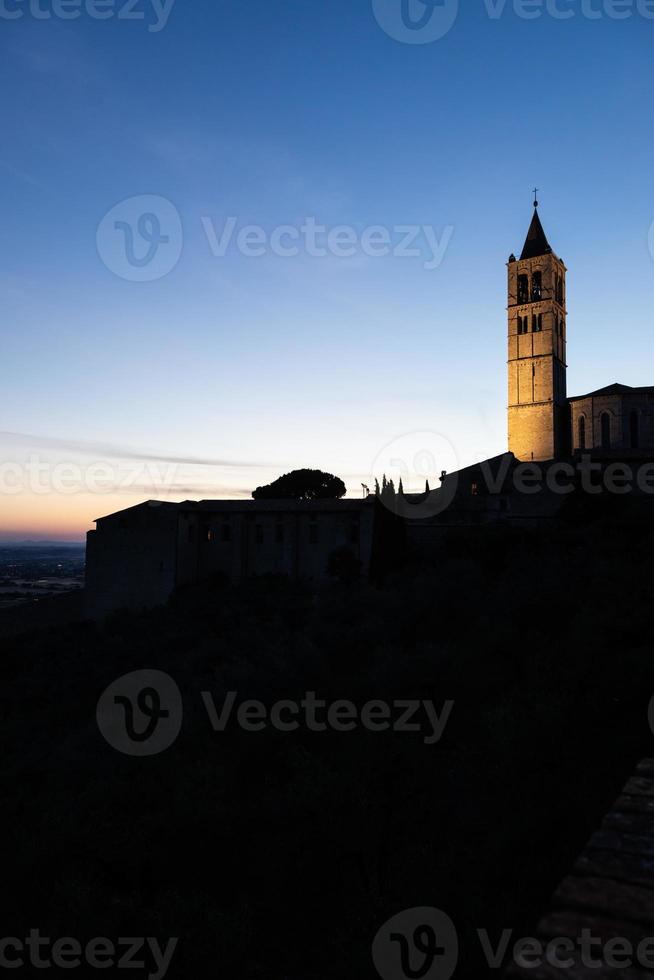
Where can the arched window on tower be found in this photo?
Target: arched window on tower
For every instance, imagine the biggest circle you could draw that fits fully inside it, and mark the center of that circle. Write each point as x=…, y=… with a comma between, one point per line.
x=537, y=287
x=634, y=430
x=559, y=290
x=582, y=432
x=523, y=289
x=605, y=426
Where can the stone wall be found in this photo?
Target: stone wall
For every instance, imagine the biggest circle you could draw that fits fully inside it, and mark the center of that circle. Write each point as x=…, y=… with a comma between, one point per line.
x=610, y=891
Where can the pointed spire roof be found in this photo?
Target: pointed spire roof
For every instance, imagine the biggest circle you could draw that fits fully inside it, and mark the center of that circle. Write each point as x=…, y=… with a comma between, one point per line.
x=536, y=243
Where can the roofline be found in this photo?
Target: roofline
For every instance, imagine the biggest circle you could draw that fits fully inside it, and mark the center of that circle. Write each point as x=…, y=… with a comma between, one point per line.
x=618, y=388
x=245, y=504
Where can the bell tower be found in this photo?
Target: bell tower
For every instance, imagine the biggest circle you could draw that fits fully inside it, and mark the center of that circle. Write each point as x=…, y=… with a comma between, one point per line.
x=538, y=406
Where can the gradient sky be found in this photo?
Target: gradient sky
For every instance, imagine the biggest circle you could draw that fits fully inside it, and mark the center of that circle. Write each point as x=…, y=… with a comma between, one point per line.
x=231, y=370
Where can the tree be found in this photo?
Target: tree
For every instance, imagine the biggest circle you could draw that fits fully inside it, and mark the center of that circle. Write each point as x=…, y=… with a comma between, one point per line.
x=303, y=485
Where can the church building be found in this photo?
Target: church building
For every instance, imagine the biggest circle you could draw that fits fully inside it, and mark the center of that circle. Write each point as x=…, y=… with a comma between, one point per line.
x=138, y=557
x=544, y=423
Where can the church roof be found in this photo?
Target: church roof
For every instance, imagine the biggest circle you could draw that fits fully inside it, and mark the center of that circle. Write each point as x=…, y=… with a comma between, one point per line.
x=614, y=389
x=536, y=243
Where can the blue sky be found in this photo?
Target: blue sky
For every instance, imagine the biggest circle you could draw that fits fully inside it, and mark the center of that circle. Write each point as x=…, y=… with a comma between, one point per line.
x=272, y=113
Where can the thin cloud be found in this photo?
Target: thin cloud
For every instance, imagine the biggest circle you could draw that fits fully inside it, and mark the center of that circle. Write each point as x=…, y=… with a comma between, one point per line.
x=192, y=492
x=22, y=175
x=106, y=449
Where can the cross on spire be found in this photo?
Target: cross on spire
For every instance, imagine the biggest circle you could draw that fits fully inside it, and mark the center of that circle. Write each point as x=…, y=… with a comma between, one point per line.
x=535, y=197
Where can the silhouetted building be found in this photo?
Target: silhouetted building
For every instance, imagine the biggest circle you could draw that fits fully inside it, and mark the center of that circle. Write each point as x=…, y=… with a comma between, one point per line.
x=137, y=557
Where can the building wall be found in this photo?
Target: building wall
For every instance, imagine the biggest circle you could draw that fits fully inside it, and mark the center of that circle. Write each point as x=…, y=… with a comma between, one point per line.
x=534, y=431
x=131, y=560
x=136, y=558
x=619, y=408
x=296, y=543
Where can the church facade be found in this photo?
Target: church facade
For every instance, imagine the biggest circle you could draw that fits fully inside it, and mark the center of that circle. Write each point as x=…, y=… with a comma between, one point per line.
x=543, y=422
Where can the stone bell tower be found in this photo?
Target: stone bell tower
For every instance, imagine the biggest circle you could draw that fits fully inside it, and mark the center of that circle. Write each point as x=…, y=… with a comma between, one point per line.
x=538, y=406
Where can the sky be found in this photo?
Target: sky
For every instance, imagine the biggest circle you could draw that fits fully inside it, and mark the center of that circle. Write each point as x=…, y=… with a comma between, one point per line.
x=172, y=324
